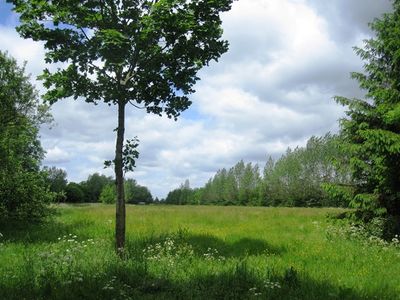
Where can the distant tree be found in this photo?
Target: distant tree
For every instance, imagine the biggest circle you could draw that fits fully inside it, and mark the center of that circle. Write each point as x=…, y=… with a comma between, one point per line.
x=231, y=193
x=305, y=176
x=23, y=190
x=141, y=194
x=74, y=193
x=266, y=185
x=135, y=193
x=145, y=52
x=56, y=178
x=372, y=126
x=174, y=197
x=302, y=177
x=93, y=186
x=183, y=195
x=108, y=194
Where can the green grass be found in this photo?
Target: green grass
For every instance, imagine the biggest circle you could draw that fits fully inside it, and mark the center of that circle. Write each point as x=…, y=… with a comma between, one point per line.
x=193, y=252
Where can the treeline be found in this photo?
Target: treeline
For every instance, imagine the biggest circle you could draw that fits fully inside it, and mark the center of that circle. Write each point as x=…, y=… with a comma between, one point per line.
x=97, y=188
x=303, y=176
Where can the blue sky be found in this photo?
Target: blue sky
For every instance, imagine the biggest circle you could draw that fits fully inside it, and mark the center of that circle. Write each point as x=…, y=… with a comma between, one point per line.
x=272, y=90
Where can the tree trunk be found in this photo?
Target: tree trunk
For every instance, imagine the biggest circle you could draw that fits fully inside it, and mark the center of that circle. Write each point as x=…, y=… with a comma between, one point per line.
x=119, y=180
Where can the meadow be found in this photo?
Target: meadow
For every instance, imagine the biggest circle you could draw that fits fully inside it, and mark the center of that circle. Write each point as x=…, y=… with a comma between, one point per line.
x=195, y=252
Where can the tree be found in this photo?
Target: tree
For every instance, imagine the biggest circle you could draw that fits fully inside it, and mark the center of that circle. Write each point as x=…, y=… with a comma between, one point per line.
x=108, y=194
x=93, y=186
x=372, y=125
x=56, y=179
x=74, y=193
x=302, y=177
x=143, y=52
x=23, y=191
x=135, y=193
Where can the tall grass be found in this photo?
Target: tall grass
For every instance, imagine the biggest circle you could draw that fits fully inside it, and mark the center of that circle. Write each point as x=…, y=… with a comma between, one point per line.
x=194, y=252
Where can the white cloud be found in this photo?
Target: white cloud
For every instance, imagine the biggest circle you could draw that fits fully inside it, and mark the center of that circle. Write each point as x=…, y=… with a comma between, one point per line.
x=272, y=90
x=23, y=51
x=56, y=155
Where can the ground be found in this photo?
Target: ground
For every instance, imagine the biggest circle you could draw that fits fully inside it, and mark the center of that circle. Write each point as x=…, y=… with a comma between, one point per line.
x=195, y=252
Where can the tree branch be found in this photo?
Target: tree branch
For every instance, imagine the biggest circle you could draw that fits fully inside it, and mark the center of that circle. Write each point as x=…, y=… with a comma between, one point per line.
x=134, y=105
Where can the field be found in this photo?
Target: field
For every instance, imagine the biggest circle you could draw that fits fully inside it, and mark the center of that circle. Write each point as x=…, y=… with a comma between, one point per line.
x=194, y=252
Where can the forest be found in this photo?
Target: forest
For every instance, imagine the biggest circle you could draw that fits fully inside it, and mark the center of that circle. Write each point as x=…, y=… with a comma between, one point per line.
x=321, y=221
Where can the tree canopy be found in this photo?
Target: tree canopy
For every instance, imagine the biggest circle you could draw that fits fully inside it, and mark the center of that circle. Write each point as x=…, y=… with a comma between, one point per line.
x=23, y=190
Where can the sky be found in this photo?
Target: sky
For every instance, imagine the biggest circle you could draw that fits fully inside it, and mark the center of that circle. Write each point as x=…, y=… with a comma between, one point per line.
x=272, y=90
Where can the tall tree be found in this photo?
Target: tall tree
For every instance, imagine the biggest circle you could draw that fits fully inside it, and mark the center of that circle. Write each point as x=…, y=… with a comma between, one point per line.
x=23, y=191
x=143, y=52
x=93, y=186
x=372, y=126
x=56, y=178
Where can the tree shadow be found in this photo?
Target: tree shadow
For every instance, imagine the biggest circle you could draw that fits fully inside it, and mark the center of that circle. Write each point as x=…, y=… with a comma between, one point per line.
x=120, y=282
x=203, y=243
x=47, y=231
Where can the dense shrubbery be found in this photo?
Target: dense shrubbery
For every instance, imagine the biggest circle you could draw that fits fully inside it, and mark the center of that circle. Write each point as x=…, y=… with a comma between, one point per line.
x=23, y=191
x=301, y=177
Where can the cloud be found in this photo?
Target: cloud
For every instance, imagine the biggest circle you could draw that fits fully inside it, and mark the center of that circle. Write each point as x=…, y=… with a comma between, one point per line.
x=348, y=20
x=272, y=90
x=56, y=155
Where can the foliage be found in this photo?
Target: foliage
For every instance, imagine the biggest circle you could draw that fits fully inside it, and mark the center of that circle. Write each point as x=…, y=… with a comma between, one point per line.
x=304, y=176
x=56, y=180
x=134, y=193
x=108, y=194
x=181, y=196
x=372, y=126
x=129, y=156
x=94, y=185
x=23, y=191
x=74, y=193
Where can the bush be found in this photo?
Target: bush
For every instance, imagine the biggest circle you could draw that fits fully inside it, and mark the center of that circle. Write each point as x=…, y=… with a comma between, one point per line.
x=24, y=197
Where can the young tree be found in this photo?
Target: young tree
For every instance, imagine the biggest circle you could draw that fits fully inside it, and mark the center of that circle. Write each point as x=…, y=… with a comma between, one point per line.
x=108, y=194
x=141, y=52
x=372, y=126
